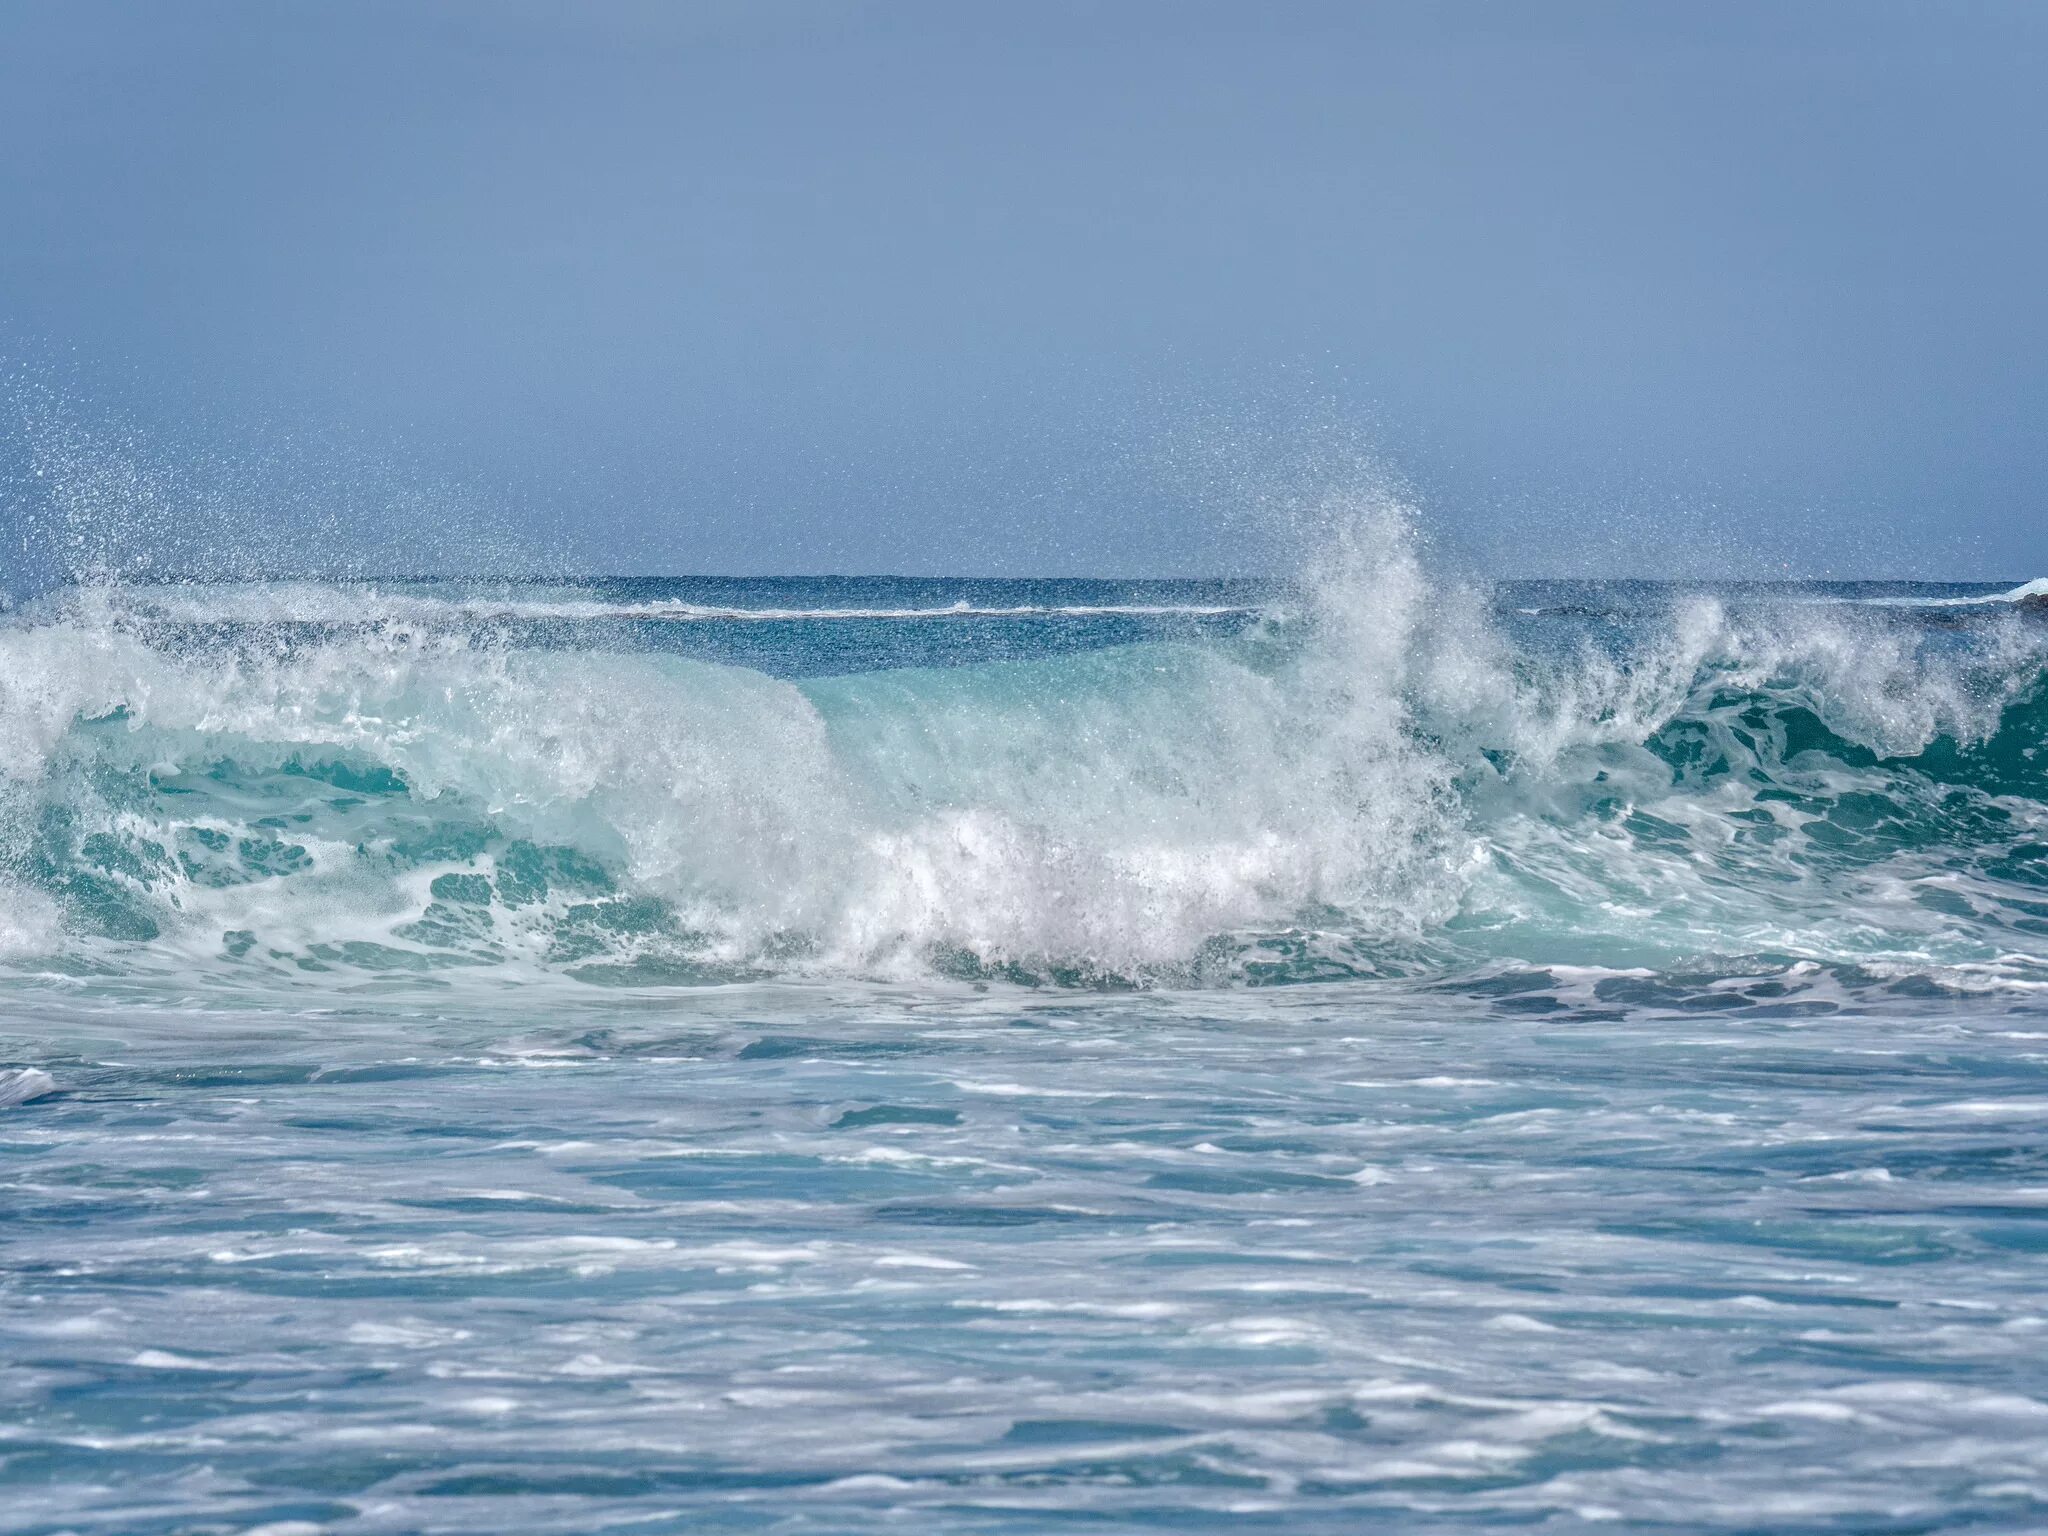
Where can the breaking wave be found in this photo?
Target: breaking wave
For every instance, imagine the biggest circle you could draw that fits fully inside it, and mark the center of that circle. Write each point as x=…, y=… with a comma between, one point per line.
x=1381, y=774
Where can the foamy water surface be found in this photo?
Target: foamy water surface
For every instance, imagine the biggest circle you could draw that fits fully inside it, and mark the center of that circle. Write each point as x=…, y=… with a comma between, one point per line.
x=801, y=1057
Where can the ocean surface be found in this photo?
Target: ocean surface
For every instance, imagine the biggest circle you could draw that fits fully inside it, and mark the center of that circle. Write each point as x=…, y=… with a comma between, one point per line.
x=1362, y=1052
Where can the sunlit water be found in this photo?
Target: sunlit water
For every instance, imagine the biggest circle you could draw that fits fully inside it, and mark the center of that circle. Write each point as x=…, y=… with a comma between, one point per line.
x=1346, y=1056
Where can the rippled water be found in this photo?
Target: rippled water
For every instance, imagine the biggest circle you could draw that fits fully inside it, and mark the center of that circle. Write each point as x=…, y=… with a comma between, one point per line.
x=1549, y=1252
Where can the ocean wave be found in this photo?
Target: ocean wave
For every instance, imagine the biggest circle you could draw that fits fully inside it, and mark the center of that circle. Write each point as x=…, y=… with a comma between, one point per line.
x=1381, y=781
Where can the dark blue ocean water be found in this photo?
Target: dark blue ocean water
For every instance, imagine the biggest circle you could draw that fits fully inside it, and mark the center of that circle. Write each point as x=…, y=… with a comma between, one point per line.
x=820, y=1056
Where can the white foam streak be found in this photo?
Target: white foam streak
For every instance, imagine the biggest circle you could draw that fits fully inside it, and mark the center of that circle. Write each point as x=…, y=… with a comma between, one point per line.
x=369, y=603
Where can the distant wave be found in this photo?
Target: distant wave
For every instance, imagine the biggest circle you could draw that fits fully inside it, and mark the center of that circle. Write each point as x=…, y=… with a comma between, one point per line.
x=2035, y=591
x=960, y=610
x=317, y=603
x=1606, y=600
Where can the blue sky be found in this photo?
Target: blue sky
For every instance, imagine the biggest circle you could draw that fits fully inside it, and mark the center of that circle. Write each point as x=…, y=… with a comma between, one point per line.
x=1047, y=287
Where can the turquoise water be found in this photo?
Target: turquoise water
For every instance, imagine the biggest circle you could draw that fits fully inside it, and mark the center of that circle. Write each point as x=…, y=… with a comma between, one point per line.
x=1349, y=1053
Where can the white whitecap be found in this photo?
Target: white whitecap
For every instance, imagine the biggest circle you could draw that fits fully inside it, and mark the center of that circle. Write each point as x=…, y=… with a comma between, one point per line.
x=23, y=1084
